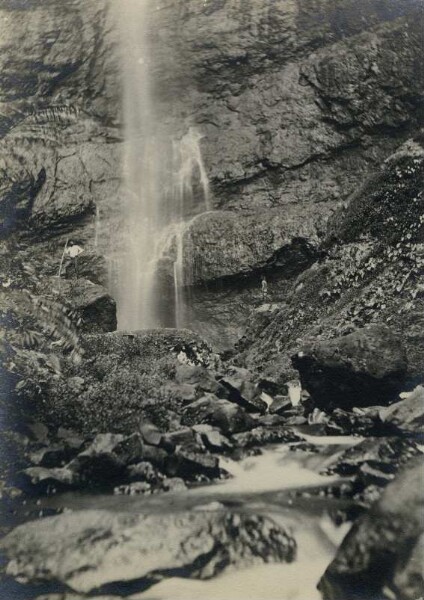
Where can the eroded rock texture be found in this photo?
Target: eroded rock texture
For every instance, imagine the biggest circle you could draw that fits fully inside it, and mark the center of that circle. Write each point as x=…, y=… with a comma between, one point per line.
x=296, y=102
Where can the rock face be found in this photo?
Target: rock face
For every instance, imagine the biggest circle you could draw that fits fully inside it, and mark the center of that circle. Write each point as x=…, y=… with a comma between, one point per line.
x=81, y=550
x=381, y=550
x=296, y=105
x=364, y=368
x=370, y=272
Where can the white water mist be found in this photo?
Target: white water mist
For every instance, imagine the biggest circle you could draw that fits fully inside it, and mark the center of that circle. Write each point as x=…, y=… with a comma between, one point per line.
x=165, y=186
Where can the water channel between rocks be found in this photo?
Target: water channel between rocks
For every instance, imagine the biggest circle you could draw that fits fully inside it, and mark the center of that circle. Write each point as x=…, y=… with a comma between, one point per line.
x=274, y=484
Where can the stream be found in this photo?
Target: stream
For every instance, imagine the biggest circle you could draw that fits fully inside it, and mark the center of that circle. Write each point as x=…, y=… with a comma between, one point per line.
x=279, y=483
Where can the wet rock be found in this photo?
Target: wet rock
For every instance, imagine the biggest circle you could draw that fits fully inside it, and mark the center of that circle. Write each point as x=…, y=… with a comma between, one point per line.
x=343, y=422
x=189, y=464
x=379, y=551
x=93, y=550
x=407, y=416
x=260, y=436
x=229, y=417
x=382, y=453
x=364, y=368
x=172, y=484
x=133, y=489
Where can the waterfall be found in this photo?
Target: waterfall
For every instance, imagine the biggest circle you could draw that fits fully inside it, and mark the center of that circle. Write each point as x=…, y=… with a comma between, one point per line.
x=165, y=185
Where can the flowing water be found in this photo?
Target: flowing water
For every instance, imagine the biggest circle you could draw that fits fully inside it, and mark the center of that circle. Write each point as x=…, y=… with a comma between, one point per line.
x=279, y=483
x=165, y=185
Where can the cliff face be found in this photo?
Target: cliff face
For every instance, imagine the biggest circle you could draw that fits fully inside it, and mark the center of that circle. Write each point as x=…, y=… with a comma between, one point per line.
x=298, y=102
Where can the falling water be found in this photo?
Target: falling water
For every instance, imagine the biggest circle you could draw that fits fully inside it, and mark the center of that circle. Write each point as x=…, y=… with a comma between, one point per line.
x=165, y=186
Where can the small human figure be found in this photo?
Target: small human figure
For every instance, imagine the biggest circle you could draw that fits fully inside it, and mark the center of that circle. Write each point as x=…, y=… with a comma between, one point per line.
x=73, y=251
x=264, y=288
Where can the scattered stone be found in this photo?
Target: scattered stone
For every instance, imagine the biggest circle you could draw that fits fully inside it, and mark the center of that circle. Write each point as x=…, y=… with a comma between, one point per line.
x=378, y=552
x=407, y=416
x=342, y=422
x=50, y=456
x=215, y=441
x=173, y=484
x=181, y=437
x=281, y=405
x=41, y=480
x=188, y=464
x=270, y=420
x=229, y=417
x=156, y=456
x=364, y=368
x=182, y=391
x=388, y=453
x=133, y=489
x=107, y=456
x=266, y=435
x=143, y=471
x=99, y=550
x=242, y=391
x=151, y=434
x=37, y=432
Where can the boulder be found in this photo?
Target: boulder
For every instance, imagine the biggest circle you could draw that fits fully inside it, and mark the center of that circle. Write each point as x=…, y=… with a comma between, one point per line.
x=106, y=458
x=51, y=456
x=143, y=471
x=215, y=441
x=189, y=464
x=243, y=391
x=379, y=553
x=92, y=302
x=407, y=416
x=41, y=479
x=99, y=550
x=259, y=436
x=364, y=368
x=225, y=415
x=133, y=489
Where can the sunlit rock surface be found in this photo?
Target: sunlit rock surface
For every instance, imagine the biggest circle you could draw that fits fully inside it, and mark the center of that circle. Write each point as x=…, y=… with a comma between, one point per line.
x=82, y=550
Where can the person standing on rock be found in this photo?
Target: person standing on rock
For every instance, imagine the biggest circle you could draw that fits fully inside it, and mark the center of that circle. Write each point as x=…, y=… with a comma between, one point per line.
x=264, y=288
x=72, y=252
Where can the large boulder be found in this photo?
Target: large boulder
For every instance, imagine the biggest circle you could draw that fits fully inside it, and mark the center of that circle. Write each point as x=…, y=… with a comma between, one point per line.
x=94, y=550
x=92, y=303
x=364, y=368
x=380, y=551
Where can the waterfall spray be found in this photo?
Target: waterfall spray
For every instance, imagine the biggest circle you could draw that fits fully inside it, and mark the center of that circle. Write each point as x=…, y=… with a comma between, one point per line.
x=165, y=184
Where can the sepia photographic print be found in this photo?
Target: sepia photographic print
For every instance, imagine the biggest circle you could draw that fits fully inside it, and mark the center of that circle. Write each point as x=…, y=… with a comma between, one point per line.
x=211, y=299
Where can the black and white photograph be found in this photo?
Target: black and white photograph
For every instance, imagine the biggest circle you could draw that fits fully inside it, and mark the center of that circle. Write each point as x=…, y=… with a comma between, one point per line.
x=212, y=299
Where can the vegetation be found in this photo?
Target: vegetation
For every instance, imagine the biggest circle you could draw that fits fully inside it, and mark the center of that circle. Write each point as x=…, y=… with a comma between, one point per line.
x=38, y=332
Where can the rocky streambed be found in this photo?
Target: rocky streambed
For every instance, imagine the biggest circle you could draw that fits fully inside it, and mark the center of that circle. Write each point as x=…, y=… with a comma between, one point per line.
x=229, y=480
